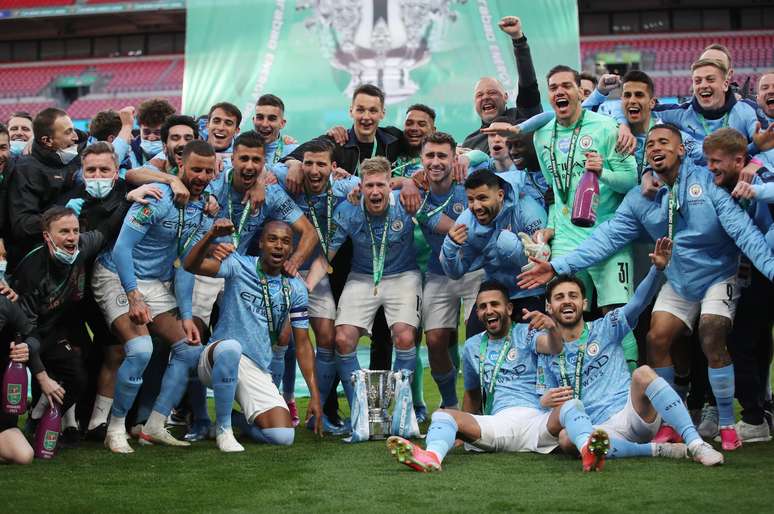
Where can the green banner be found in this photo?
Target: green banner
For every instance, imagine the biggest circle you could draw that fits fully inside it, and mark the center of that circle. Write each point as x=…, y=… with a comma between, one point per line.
x=313, y=53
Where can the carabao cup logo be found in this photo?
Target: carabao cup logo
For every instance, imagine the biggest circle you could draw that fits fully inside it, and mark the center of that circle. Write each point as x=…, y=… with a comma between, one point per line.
x=49, y=441
x=380, y=41
x=13, y=394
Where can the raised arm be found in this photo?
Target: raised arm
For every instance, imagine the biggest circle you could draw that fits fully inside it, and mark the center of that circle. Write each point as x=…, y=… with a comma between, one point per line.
x=198, y=262
x=648, y=288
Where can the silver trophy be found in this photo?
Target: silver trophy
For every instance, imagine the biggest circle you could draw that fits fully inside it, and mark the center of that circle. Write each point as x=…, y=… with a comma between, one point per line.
x=380, y=388
x=380, y=41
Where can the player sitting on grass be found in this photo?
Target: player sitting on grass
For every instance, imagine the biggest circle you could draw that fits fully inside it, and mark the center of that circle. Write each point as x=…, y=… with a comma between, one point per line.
x=258, y=301
x=499, y=370
x=625, y=409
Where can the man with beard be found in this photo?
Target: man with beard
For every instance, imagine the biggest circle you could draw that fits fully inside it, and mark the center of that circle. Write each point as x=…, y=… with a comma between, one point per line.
x=501, y=408
x=258, y=302
x=707, y=227
x=133, y=287
x=490, y=97
x=384, y=272
x=268, y=121
x=595, y=388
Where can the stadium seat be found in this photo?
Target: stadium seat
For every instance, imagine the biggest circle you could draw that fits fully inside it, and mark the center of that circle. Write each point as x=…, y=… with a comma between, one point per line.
x=87, y=106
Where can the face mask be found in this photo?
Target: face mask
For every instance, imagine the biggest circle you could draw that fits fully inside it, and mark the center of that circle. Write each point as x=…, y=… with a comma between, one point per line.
x=99, y=187
x=64, y=257
x=17, y=147
x=151, y=147
x=3, y=267
x=68, y=154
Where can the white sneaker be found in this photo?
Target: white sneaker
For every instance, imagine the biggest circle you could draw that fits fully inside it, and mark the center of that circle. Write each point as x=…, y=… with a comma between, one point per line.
x=706, y=454
x=135, y=432
x=227, y=443
x=753, y=433
x=670, y=450
x=709, y=425
x=116, y=442
x=161, y=436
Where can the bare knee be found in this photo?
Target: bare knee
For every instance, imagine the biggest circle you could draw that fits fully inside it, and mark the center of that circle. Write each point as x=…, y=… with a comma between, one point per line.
x=566, y=445
x=403, y=337
x=643, y=376
x=345, y=342
x=713, y=332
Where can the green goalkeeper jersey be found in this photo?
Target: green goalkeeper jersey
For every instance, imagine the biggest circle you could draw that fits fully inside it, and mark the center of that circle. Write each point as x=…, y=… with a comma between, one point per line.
x=592, y=132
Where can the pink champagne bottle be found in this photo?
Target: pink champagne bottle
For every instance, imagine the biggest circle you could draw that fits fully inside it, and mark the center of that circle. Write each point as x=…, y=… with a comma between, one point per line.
x=584, y=206
x=15, y=389
x=47, y=433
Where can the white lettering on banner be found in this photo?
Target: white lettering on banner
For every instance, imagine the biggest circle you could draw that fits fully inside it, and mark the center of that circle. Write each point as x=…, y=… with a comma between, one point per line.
x=268, y=60
x=494, y=50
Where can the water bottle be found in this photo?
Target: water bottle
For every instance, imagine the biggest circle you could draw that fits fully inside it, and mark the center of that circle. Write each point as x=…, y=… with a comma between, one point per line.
x=584, y=206
x=47, y=433
x=14, y=392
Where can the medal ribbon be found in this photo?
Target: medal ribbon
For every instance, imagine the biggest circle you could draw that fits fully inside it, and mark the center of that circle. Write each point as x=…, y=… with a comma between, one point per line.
x=421, y=217
x=237, y=235
x=278, y=151
x=401, y=164
x=487, y=393
x=673, y=208
x=576, y=391
x=267, y=305
x=707, y=131
x=378, y=257
x=183, y=247
x=563, y=183
x=373, y=154
x=329, y=219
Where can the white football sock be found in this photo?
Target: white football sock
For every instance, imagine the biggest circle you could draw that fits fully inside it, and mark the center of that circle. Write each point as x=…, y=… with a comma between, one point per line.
x=117, y=424
x=155, y=422
x=100, y=412
x=68, y=420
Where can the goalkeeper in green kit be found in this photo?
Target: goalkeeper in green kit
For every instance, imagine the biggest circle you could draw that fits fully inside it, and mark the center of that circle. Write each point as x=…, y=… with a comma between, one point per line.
x=574, y=142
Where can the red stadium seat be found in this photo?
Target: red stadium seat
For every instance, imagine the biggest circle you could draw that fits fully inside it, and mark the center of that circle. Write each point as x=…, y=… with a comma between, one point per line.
x=6, y=109
x=20, y=4
x=87, y=106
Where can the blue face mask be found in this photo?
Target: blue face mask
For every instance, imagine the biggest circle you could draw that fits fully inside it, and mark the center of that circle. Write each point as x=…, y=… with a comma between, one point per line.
x=68, y=154
x=64, y=257
x=151, y=148
x=99, y=187
x=3, y=267
x=17, y=147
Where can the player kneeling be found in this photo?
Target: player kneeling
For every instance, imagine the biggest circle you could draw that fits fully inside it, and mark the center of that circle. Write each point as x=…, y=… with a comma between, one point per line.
x=591, y=372
x=500, y=371
x=258, y=301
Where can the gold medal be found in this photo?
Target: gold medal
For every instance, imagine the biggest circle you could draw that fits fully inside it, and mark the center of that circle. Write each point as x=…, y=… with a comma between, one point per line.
x=330, y=269
x=566, y=210
x=176, y=264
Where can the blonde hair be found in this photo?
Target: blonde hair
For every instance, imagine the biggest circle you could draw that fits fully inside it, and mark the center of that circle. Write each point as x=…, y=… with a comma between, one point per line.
x=727, y=140
x=710, y=62
x=375, y=166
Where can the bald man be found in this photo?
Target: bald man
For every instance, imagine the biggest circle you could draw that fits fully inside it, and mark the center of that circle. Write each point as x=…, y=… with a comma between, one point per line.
x=490, y=96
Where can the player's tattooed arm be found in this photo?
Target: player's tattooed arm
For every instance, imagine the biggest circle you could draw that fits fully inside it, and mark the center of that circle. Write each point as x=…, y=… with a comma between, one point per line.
x=307, y=242
x=198, y=261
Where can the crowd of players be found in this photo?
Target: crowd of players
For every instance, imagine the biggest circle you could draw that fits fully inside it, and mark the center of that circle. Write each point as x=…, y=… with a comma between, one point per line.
x=139, y=268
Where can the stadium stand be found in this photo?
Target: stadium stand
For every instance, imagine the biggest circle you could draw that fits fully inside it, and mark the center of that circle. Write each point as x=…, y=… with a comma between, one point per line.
x=31, y=106
x=28, y=80
x=21, y=4
x=87, y=106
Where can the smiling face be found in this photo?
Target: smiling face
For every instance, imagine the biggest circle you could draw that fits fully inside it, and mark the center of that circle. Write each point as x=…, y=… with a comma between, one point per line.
x=276, y=245
x=566, y=304
x=196, y=172
x=587, y=87
x=523, y=154
x=485, y=202
x=564, y=96
x=437, y=160
x=179, y=136
x=366, y=112
x=637, y=102
x=63, y=233
x=317, y=168
x=418, y=124
x=63, y=135
x=268, y=121
x=490, y=98
x=664, y=150
x=724, y=166
x=709, y=87
x=248, y=164
x=20, y=129
x=765, y=96
x=221, y=129
x=494, y=311
x=498, y=147
x=376, y=192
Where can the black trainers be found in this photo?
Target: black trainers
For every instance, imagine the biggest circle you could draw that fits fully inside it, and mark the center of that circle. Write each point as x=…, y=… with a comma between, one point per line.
x=97, y=433
x=69, y=439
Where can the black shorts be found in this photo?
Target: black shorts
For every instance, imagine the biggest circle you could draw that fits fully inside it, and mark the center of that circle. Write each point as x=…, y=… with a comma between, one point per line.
x=8, y=421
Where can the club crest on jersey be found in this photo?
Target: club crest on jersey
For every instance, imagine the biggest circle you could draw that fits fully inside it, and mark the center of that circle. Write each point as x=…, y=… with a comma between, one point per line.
x=458, y=208
x=397, y=225
x=695, y=190
x=593, y=349
x=512, y=354
x=585, y=142
x=122, y=300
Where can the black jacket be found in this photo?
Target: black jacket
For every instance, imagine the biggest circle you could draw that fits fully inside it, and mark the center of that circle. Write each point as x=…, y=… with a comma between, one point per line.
x=390, y=143
x=12, y=322
x=527, y=100
x=35, y=184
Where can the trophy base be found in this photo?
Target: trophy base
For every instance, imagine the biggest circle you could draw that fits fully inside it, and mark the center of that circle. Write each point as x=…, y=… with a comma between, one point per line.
x=378, y=430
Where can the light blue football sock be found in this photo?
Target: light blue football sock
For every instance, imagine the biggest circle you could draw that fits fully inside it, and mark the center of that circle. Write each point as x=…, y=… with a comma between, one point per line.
x=129, y=376
x=183, y=359
x=325, y=371
x=668, y=374
x=151, y=385
x=722, y=382
x=405, y=359
x=574, y=419
x=672, y=409
x=441, y=434
x=346, y=364
x=277, y=366
x=289, y=376
x=621, y=449
x=225, y=368
x=277, y=436
x=197, y=398
x=447, y=386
